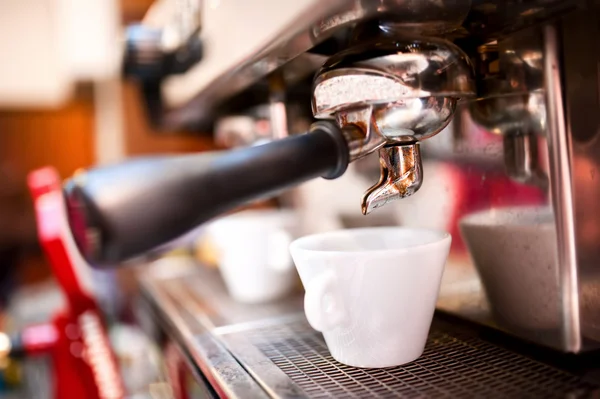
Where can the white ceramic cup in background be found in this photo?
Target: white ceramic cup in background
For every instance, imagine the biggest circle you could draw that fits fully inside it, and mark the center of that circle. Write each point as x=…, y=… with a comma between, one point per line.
x=372, y=291
x=514, y=251
x=252, y=248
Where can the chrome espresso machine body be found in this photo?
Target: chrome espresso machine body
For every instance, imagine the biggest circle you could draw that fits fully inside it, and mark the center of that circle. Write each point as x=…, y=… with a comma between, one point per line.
x=497, y=100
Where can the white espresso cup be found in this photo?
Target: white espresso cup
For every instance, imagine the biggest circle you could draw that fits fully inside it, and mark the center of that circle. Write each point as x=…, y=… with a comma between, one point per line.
x=252, y=250
x=372, y=291
x=515, y=253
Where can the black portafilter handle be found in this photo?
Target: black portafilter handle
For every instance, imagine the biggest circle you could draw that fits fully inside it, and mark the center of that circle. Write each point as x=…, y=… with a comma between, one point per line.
x=121, y=211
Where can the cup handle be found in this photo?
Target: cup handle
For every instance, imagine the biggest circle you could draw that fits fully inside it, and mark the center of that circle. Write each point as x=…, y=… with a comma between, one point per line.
x=322, y=306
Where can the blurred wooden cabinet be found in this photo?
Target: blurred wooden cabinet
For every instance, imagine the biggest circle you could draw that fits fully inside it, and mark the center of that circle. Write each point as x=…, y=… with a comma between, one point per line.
x=134, y=10
x=65, y=137
x=30, y=139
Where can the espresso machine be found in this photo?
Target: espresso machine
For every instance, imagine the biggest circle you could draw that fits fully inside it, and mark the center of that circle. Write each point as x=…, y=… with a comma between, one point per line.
x=488, y=88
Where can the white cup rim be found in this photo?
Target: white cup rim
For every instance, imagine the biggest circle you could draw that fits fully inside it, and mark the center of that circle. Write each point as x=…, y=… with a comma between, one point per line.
x=302, y=244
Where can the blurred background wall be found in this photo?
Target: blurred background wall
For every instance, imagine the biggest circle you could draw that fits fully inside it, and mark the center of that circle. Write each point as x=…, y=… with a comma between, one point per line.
x=101, y=122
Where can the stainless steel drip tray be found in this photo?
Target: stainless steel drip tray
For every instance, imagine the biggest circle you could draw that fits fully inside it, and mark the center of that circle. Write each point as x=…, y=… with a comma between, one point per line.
x=276, y=348
x=454, y=364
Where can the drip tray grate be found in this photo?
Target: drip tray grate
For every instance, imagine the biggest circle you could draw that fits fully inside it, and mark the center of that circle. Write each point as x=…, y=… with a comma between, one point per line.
x=454, y=364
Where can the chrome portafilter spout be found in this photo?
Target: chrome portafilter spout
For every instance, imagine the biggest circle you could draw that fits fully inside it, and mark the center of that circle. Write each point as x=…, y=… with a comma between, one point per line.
x=401, y=176
x=389, y=95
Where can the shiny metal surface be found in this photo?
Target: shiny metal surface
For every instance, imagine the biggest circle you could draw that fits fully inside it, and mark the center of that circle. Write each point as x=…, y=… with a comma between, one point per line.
x=455, y=364
x=177, y=20
x=273, y=379
x=303, y=38
x=534, y=118
x=414, y=119
x=237, y=131
x=362, y=134
x=166, y=41
x=401, y=176
x=562, y=194
x=296, y=29
x=512, y=101
x=277, y=36
x=581, y=78
x=217, y=365
x=391, y=71
x=522, y=159
x=369, y=128
x=521, y=119
x=278, y=350
x=512, y=64
x=386, y=93
x=257, y=125
x=565, y=125
x=417, y=16
x=508, y=114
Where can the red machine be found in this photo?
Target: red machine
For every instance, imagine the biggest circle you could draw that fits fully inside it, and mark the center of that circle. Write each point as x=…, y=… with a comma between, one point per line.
x=76, y=339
